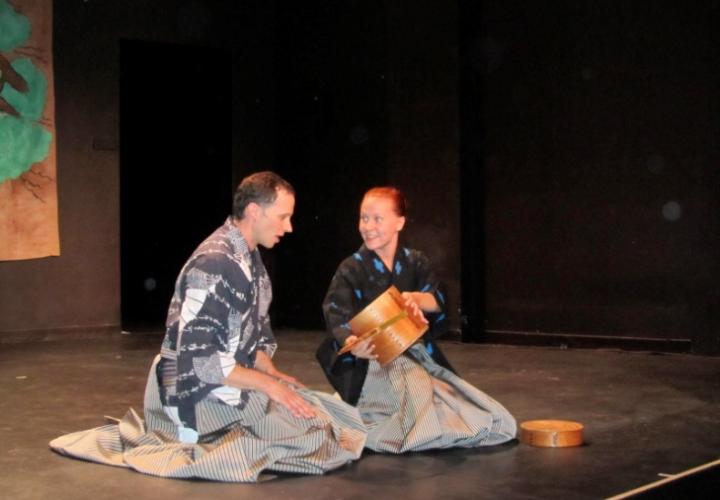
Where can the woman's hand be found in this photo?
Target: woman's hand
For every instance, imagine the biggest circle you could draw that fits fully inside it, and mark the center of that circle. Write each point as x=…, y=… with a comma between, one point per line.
x=286, y=396
x=412, y=302
x=363, y=349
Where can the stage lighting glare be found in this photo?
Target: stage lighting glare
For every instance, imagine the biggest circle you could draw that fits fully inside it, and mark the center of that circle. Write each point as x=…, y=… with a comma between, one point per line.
x=150, y=284
x=672, y=210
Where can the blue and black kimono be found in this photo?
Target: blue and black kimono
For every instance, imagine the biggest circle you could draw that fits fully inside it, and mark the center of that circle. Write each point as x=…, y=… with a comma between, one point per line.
x=415, y=402
x=359, y=280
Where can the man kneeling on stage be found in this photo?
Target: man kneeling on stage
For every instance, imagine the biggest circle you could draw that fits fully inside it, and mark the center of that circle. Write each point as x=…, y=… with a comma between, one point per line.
x=216, y=407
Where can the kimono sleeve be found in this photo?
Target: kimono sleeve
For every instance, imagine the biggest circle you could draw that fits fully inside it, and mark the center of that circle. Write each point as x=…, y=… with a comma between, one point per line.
x=341, y=303
x=426, y=281
x=265, y=339
x=267, y=342
x=207, y=311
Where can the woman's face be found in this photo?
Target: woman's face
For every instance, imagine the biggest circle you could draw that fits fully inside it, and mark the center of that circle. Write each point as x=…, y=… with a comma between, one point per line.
x=379, y=224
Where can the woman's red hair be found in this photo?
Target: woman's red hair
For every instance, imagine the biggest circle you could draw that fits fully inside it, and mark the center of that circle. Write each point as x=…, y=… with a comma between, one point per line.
x=391, y=193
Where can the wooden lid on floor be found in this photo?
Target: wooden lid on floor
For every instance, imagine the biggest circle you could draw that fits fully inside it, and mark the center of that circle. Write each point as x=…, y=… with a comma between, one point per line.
x=551, y=433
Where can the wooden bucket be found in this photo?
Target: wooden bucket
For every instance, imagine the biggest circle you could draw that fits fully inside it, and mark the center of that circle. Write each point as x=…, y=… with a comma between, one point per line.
x=551, y=433
x=391, y=325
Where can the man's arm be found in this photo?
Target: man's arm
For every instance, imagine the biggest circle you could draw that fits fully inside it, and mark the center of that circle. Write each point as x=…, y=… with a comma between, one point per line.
x=257, y=380
x=263, y=362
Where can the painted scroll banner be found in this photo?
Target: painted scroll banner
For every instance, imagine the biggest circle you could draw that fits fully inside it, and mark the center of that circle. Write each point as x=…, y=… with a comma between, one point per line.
x=28, y=187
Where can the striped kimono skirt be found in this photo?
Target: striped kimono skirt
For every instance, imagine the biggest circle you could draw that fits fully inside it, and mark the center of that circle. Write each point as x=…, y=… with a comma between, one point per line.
x=263, y=436
x=414, y=404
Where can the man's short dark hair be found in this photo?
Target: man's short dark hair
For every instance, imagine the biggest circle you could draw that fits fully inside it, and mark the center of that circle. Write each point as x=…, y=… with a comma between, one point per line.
x=261, y=188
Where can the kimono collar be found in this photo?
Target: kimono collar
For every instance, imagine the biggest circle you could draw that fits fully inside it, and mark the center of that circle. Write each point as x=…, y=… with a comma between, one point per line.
x=373, y=260
x=237, y=240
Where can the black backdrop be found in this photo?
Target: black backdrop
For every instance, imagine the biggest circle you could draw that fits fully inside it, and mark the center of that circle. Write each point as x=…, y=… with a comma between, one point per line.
x=587, y=167
x=592, y=130
x=175, y=174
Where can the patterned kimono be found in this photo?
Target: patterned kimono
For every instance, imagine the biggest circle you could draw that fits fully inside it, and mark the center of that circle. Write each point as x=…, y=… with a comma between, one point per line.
x=194, y=425
x=416, y=402
x=218, y=317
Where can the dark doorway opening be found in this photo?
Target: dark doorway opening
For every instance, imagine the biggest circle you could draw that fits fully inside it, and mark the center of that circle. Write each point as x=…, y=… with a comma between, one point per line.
x=175, y=166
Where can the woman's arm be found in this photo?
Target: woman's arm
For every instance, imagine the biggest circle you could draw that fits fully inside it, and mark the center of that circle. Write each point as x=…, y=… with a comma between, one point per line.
x=425, y=301
x=340, y=303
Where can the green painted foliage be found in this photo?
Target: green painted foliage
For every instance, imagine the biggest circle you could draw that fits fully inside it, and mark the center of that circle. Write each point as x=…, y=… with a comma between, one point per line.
x=31, y=104
x=22, y=144
x=14, y=27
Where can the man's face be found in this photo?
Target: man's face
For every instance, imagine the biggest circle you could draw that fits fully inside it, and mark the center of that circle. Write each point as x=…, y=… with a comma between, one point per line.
x=273, y=221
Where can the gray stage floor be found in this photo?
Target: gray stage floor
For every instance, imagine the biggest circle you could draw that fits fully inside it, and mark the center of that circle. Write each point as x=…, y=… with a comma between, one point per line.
x=645, y=415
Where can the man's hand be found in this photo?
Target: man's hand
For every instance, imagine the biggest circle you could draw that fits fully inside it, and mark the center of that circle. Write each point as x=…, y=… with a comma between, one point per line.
x=278, y=386
x=286, y=396
x=364, y=349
